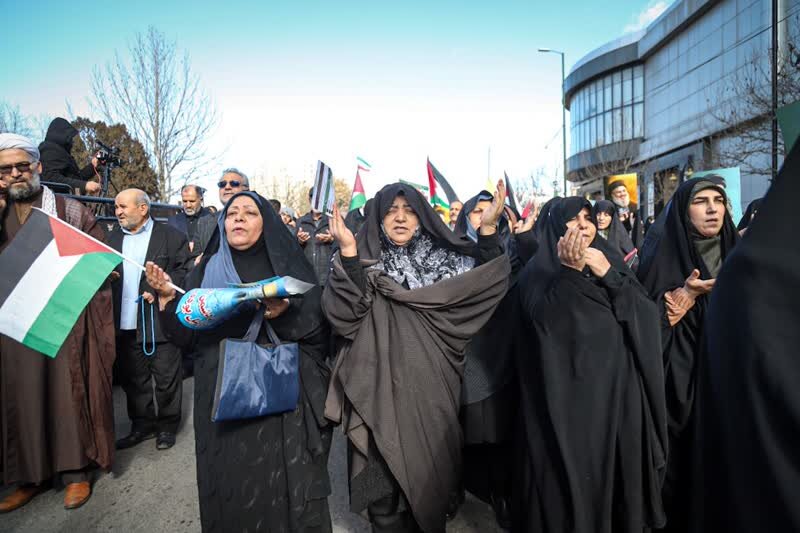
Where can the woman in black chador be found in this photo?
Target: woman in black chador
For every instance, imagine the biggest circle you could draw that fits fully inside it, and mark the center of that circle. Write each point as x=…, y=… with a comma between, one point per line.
x=489, y=391
x=681, y=257
x=609, y=227
x=592, y=446
x=406, y=296
x=269, y=473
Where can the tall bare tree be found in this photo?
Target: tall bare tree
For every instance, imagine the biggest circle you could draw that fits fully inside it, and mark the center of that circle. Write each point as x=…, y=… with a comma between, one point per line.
x=155, y=93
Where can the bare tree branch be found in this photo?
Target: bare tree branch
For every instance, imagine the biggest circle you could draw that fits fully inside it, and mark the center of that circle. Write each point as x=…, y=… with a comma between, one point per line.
x=156, y=94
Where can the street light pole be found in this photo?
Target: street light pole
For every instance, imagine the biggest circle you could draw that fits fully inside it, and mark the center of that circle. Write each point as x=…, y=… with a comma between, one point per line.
x=563, y=113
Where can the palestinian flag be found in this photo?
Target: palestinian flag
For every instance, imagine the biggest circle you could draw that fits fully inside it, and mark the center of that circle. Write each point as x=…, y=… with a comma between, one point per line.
x=441, y=193
x=358, y=199
x=50, y=272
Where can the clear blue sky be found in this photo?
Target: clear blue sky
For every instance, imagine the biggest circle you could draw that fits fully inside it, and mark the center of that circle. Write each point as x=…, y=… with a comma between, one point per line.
x=299, y=81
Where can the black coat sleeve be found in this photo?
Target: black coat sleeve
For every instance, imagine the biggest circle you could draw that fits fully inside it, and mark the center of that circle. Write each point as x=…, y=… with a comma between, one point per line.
x=489, y=247
x=354, y=270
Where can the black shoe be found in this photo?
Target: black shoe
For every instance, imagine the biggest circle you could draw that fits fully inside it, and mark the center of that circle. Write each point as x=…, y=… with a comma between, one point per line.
x=501, y=512
x=165, y=440
x=135, y=438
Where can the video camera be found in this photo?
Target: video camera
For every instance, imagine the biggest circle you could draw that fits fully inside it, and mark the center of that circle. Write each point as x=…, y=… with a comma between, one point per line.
x=108, y=156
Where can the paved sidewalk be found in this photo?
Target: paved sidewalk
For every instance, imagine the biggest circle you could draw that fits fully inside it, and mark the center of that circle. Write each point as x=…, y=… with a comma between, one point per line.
x=152, y=491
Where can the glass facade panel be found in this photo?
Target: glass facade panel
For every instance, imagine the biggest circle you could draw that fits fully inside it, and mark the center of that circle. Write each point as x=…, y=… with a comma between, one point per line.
x=638, y=88
x=638, y=120
x=627, y=86
x=608, y=110
x=627, y=122
x=600, y=100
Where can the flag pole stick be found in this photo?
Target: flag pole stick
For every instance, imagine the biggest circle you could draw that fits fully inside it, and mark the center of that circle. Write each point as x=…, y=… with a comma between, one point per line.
x=107, y=247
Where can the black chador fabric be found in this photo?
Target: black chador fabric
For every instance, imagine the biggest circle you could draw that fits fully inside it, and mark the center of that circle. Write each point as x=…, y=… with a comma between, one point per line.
x=396, y=386
x=669, y=255
x=616, y=235
x=750, y=212
x=747, y=416
x=489, y=364
x=592, y=450
x=271, y=472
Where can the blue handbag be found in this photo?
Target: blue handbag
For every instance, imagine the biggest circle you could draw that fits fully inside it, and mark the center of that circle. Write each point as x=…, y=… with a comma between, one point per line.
x=255, y=380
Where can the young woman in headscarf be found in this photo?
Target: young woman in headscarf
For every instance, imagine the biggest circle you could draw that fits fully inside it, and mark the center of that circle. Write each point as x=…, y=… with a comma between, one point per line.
x=406, y=296
x=681, y=257
x=267, y=473
x=592, y=446
x=611, y=229
x=488, y=394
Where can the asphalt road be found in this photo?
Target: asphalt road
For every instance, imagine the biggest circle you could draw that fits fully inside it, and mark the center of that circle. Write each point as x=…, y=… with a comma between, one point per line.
x=152, y=491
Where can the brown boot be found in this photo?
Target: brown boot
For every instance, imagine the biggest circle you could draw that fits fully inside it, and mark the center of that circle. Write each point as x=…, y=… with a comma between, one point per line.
x=76, y=494
x=19, y=497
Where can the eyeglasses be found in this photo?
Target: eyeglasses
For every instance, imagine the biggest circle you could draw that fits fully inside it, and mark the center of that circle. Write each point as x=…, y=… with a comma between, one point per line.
x=23, y=167
x=233, y=183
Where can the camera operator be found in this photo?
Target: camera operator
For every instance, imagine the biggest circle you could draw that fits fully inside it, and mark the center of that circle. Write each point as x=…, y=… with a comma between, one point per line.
x=59, y=165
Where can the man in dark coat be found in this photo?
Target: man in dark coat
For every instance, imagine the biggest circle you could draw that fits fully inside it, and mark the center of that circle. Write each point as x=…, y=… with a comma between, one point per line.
x=56, y=415
x=316, y=240
x=188, y=220
x=59, y=165
x=143, y=351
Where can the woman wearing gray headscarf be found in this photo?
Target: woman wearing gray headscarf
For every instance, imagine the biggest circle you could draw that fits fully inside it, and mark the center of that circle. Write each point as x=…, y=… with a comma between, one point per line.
x=267, y=473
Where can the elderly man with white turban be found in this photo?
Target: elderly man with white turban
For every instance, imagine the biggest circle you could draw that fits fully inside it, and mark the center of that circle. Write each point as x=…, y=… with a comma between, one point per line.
x=56, y=415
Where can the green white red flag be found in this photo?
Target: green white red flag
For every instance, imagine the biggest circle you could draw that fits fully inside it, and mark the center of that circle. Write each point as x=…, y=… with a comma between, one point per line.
x=51, y=271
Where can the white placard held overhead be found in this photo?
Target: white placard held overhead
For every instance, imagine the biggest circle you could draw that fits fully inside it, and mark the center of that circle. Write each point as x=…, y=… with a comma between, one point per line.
x=324, y=195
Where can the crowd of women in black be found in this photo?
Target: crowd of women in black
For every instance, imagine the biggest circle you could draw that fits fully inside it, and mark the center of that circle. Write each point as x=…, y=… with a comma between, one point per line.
x=533, y=368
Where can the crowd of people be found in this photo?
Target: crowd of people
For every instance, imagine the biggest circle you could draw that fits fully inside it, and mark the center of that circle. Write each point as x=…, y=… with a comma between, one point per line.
x=569, y=368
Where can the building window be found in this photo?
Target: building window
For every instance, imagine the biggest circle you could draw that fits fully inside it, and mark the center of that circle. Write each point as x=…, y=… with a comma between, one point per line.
x=608, y=110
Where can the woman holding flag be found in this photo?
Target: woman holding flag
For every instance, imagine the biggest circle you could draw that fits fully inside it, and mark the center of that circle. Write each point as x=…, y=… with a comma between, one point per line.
x=267, y=473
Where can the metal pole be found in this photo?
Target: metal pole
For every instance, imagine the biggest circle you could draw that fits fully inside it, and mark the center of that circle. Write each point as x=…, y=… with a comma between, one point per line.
x=564, y=122
x=774, y=60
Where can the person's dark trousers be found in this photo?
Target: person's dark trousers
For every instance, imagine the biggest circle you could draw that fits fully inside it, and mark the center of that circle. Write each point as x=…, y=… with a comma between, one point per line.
x=137, y=370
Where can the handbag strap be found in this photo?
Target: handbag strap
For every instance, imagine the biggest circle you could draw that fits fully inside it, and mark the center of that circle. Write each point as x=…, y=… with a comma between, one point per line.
x=255, y=327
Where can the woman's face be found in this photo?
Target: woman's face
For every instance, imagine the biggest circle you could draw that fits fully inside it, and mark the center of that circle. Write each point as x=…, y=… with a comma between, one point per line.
x=243, y=223
x=707, y=212
x=400, y=222
x=286, y=218
x=603, y=220
x=476, y=214
x=583, y=221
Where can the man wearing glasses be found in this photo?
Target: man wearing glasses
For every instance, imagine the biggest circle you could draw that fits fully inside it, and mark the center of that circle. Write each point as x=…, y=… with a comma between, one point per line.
x=56, y=414
x=233, y=180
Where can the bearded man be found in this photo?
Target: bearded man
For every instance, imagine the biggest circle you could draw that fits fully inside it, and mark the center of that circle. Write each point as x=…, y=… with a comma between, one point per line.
x=627, y=211
x=56, y=414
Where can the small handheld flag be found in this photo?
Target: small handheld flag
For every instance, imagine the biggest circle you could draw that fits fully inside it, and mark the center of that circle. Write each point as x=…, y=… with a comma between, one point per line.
x=324, y=195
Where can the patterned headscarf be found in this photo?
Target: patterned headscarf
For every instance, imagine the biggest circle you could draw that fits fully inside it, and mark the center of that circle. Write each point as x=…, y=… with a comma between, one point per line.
x=420, y=263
